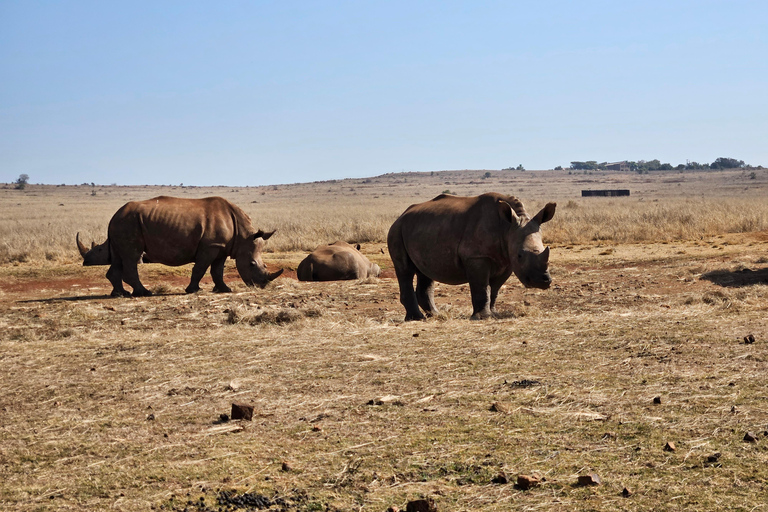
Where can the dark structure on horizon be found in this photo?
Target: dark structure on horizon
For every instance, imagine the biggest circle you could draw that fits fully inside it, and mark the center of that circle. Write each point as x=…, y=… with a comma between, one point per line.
x=605, y=193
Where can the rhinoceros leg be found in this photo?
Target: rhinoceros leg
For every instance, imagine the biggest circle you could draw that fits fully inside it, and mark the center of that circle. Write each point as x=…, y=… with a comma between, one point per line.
x=198, y=271
x=115, y=276
x=478, y=275
x=217, y=273
x=425, y=293
x=131, y=276
x=407, y=295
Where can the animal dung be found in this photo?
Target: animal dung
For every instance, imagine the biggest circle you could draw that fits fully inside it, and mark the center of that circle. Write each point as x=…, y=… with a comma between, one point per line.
x=421, y=506
x=242, y=412
x=749, y=339
x=590, y=479
x=657, y=400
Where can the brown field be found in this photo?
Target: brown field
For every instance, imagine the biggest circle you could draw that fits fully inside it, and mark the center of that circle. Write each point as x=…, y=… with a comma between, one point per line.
x=116, y=403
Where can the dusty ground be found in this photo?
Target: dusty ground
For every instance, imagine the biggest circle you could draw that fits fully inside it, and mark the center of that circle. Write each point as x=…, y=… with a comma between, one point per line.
x=116, y=403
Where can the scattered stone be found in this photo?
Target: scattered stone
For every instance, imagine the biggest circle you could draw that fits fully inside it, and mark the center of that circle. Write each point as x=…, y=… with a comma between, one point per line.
x=657, y=400
x=669, y=447
x=626, y=493
x=316, y=428
x=750, y=437
x=150, y=417
x=733, y=409
x=590, y=479
x=223, y=418
x=427, y=505
x=525, y=482
x=286, y=467
x=497, y=407
x=385, y=400
x=242, y=412
x=749, y=339
x=415, y=335
x=501, y=478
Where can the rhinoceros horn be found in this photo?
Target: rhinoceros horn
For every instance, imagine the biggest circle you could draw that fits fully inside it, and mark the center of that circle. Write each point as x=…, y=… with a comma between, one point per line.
x=275, y=275
x=81, y=246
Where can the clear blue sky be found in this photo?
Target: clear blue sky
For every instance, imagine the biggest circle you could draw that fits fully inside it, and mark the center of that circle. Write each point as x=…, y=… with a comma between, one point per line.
x=262, y=92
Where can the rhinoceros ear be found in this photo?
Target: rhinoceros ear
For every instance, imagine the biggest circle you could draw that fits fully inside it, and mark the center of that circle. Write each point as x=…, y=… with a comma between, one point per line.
x=546, y=213
x=507, y=213
x=263, y=235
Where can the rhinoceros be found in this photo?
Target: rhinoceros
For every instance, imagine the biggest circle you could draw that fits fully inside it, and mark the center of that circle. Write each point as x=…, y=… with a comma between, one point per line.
x=175, y=231
x=478, y=240
x=96, y=255
x=335, y=262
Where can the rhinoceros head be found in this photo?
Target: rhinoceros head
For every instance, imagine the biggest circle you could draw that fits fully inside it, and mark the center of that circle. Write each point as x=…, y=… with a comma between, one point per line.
x=97, y=255
x=528, y=257
x=248, y=260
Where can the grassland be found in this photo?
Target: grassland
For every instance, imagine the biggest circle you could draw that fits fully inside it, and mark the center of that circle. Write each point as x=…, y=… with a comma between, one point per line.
x=116, y=403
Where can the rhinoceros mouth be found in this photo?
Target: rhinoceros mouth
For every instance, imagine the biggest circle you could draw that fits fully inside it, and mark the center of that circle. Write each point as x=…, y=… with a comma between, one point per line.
x=542, y=284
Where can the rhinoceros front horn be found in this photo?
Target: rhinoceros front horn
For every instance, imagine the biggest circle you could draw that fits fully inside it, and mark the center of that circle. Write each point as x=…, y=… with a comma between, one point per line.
x=80, y=245
x=275, y=275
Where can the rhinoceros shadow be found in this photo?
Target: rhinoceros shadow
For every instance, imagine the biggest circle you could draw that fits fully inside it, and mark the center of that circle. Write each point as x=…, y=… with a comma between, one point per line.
x=82, y=298
x=737, y=278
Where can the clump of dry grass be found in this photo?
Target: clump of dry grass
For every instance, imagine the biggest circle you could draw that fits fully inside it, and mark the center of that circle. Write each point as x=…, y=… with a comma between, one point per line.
x=276, y=316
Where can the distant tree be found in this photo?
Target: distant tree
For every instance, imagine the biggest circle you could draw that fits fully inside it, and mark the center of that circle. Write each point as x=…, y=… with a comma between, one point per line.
x=520, y=168
x=665, y=167
x=22, y=182
x=487, y=175
x=589, y=165
x=559, y=168
x=680, y=167
x=726, y=163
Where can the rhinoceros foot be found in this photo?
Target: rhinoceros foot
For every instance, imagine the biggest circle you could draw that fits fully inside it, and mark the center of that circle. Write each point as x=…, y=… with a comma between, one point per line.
x=222, y=289
x=416, y=316
x=192, y=288
x=120, y=293
x=142, y=293
x=481, y=315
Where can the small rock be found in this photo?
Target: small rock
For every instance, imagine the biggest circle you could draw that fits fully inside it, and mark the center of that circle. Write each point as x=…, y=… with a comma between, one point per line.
x=525, y=482
x=286, y=467
x=669, y=447
x=590, y=479
x=497, y=407
x=501, y=478
x=626, y=493
x=714, y=458
x=749, y=339
x=657, y=400
x=242, y=412
x=316, y=428
x=750, y=437
x=421, y=506
x=224, y=417
x=150, y=417
x=415, y=335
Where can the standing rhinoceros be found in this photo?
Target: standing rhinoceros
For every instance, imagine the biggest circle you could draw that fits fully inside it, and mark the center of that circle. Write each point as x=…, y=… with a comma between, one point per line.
x=175, y=232
x=481, y=240
x=335, y=262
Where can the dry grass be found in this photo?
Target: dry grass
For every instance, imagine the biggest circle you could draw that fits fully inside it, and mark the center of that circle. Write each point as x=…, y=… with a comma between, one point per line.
x=116, y=403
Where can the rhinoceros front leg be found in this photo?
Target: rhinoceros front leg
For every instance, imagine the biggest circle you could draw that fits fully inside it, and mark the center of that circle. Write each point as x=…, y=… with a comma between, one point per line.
x=478, y=275
x=425, y=293
x=198, y=271
x=131, y=276
x=217, y=273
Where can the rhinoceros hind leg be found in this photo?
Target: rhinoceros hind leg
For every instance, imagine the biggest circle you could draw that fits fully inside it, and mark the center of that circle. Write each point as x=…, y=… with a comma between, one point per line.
x=425, y=294
x=408, y=296
x=115, y=276
x=479, y=288
x=141, y=292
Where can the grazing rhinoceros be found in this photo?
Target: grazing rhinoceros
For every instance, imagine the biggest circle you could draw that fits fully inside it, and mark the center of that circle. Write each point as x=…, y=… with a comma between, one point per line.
x=481, y=240
x=96, y=255
x=175, y=232
x=335, y=262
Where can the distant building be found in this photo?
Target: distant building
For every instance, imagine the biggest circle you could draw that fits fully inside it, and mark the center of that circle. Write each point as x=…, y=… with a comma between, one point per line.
x=617, y=166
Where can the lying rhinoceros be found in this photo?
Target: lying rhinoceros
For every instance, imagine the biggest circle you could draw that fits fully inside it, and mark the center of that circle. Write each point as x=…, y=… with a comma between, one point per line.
x=335, y=262
x=481, y=240
x=175, y=232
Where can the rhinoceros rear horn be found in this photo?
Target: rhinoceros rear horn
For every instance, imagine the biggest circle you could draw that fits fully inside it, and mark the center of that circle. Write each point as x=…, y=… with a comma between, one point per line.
x=80, y=245
x=275, y=275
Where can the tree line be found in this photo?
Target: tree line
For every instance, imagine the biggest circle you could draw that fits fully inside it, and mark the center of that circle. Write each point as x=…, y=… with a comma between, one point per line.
x=643, y=166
